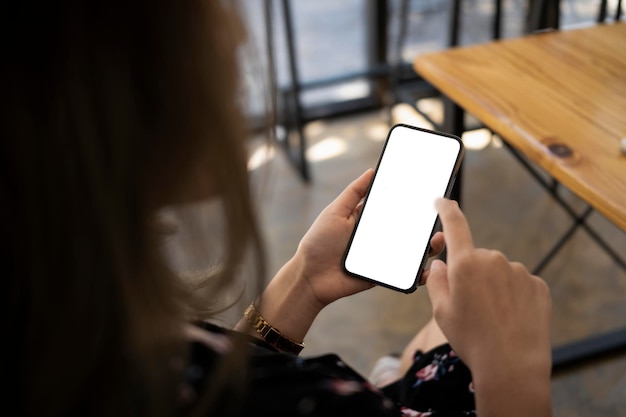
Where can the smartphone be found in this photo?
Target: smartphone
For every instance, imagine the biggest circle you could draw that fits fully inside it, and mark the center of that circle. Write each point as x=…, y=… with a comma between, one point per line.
x=391, y=240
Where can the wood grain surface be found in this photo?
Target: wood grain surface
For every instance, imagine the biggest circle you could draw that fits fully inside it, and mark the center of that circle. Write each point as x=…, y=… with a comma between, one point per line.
x=559, y=98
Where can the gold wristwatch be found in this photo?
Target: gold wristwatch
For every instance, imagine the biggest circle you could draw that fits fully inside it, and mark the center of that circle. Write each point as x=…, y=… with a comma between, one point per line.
x=271, y=335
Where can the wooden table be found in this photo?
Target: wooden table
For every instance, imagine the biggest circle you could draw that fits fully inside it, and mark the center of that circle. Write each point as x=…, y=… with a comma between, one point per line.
x=557, y=99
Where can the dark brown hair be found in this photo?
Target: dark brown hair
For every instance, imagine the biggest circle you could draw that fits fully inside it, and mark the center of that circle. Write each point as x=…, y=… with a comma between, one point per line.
x=110, y=110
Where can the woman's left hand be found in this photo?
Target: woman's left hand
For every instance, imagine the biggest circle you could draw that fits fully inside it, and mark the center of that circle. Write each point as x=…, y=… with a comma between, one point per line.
x=320, y=252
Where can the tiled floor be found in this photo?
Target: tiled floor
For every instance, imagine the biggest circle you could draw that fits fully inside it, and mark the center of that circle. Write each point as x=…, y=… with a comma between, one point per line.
x=506, y=209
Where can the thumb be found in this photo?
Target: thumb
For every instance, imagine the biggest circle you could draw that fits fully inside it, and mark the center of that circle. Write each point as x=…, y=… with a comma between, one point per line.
x=437, y=283
x=350, y=197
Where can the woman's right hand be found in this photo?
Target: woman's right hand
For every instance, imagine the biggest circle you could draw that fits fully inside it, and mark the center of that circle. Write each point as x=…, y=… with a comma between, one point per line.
x=496, y=316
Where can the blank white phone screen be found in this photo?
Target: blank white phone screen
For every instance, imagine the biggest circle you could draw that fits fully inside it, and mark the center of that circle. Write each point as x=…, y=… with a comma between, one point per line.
x=399, y=215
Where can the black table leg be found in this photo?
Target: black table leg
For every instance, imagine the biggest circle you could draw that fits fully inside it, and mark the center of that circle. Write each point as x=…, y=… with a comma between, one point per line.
x=454, y=124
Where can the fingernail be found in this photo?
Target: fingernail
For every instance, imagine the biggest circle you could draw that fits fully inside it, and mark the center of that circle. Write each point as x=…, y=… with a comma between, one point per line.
x=436, y=265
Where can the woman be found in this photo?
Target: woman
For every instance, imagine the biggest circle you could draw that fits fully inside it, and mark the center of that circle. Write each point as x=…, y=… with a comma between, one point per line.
x=113, y=110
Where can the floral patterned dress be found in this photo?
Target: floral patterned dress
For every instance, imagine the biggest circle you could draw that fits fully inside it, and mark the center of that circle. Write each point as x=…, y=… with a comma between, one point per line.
x=280, y=384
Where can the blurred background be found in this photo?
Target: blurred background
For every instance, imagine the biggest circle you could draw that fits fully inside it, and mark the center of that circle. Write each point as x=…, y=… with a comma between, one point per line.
x=340, y=72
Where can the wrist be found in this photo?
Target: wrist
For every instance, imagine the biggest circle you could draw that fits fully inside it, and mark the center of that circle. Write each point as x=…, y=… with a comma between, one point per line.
x=287, y=304
x=269, y=333
x=512, y=390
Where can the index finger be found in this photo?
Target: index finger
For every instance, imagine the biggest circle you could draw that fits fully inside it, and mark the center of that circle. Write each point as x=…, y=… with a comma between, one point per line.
x=455, y=227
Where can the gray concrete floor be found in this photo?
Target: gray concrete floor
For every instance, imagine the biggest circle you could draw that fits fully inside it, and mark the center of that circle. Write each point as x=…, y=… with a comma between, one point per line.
x=506, y=209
